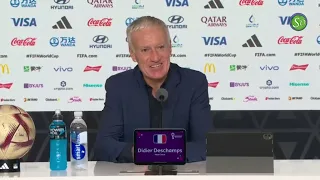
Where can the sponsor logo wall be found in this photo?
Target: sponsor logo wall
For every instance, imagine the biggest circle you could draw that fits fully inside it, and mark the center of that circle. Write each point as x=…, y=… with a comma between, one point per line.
x=256, y=54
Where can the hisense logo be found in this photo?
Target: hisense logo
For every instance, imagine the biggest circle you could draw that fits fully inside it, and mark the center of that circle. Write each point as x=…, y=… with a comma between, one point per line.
x=92, y=85
x=298, y=84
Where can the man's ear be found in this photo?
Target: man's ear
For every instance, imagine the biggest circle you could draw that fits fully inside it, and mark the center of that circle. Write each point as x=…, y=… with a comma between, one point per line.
x=132, y=54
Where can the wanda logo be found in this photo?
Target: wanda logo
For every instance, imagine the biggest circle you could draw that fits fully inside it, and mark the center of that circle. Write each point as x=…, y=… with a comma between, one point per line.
x=100, y=22
x=251, y=2
x=292, y=40
x=6, y=86
x=92, y=68
x=24, y=42
x=302, y=67
x=213, y=84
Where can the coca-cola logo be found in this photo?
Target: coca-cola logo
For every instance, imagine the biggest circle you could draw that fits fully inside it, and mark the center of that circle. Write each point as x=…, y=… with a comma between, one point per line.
x=251, y=2
x=292, y=40
x=24, y=42
x=100, y=22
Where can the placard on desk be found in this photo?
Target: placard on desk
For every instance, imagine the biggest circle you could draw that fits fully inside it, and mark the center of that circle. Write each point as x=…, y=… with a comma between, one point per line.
x=160, y=146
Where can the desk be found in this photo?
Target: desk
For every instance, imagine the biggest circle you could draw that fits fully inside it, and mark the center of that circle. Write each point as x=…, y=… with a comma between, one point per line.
x=97, y=171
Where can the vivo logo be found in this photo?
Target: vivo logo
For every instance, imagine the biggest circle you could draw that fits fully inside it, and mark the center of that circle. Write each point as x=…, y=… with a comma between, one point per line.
x=270, y=68
x=62, y=69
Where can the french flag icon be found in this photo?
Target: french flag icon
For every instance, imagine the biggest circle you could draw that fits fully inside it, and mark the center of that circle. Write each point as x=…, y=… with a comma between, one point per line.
x=159, y=139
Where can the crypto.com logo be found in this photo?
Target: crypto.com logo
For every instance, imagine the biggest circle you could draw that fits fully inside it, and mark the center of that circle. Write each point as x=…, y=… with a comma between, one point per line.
x=4, y=68
x=210, y=68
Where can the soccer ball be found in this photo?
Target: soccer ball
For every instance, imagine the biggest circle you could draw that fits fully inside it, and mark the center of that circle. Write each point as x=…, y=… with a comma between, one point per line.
x=17, y=132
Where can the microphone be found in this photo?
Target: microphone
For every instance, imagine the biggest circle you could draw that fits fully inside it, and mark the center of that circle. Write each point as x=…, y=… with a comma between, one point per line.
x=161, y=96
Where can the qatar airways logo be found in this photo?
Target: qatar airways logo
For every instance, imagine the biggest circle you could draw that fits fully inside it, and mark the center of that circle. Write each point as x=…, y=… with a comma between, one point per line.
x=5, y=85
x=251, y=2
x=24, y=42
x=213, y=84
x=292, y=40
x=75, y=99
x=92, y=68
x=104, y=22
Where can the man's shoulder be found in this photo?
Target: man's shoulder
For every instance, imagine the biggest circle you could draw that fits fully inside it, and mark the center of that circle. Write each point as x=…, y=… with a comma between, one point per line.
x=191, y=75
x=122, y=78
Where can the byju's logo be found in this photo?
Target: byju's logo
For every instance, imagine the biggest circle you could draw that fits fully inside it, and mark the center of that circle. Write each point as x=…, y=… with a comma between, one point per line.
x=129, y=20
x=24, y=22
x=214, y=21
x=101, y=3
x=252, y=42
x=252, y=22
x=23, y=3
x=214, y=4
x=101, y=42
x=297, y=21
x=27, y=85
x=177, y=3
x=291, y=2
x=214, y=41
x=137, y=5
x=63, y=41
x=62, y=4
x=120, y=68
x=269, y=68
x=176, y=42
x=177, y=21
x=63, y=69
x=62, y=24
x=236, y=84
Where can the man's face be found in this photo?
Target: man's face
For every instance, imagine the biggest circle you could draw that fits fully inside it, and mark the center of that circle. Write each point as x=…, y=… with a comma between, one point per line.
x=151, y=49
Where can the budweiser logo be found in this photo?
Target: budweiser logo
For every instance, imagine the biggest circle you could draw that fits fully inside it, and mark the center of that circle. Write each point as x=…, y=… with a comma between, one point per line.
x=6, y=86
x=299, y=67
x=293, y=40
x=213, y=84
x=102, y=22
x=251, y=2
x=92, y=68
x=23, y=42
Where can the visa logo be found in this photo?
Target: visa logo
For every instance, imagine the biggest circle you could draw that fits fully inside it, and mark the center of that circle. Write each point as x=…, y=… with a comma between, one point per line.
x=24, y=21
x=214, y=41
x=270, y=68
x=177, y=3
x=159, y=139
x=285, y=20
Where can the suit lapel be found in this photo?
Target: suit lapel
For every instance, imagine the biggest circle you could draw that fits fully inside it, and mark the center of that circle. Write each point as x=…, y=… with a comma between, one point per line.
x=173, y=96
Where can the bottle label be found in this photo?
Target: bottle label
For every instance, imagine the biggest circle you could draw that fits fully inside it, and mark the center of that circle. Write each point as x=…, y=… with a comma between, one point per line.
x=78, y=143
x=57, y=131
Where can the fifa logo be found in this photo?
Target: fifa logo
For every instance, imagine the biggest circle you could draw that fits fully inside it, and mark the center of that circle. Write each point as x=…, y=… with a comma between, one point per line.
x=4, y=68
x=209, y=68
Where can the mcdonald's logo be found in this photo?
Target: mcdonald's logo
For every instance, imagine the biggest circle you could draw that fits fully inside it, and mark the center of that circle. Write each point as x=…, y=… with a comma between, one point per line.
x=209, y=68
x=4, y=68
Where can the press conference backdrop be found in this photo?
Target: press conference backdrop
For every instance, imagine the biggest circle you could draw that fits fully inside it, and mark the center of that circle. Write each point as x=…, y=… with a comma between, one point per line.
x=257, y=55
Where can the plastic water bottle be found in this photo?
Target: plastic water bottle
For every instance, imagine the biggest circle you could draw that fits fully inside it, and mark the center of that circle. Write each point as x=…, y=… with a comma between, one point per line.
x=58, y=142
x=78, y=143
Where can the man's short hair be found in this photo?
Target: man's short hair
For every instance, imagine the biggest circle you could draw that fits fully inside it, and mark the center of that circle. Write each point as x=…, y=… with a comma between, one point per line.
x=145, y=22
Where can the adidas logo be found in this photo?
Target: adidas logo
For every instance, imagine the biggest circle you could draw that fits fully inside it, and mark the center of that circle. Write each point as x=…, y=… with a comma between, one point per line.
x=62, y=24
x=252, y=42
x=214, y=4
x=4, y=166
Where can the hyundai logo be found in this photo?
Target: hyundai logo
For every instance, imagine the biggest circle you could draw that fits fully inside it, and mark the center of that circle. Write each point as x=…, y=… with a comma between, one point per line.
x=176, y=19
x=100, y=39
x=61, y=1
x=54, y=41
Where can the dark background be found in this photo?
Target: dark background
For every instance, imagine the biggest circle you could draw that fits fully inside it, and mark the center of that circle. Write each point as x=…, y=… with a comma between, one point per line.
x=296, y=132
